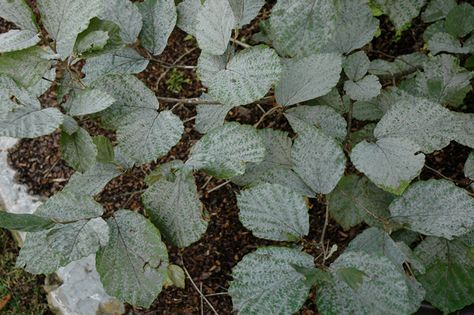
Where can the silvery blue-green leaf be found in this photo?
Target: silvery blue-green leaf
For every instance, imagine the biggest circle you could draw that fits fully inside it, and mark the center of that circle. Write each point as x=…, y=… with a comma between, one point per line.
x=390, y=163
x=460, y=20
x=334, y=100
x=214, y=23
x=65, y=207
x=25, y=66
x=449, y=276
x=132, y=97
x=17, y=40
x=445, y=42
x=77, y=240
x=187, y=15
x=356, y=65
x=355, y=26
x=443, y=80
x=125, y=60
x=245, y=10
x=383, y=288
x=426, y=123
x=266, y=281
x=225, y=151
x=44, y=84
x=355, y=200
x=210, y=116
x=126, y=15
x=19, y=13
x=400, y=12
x=363, y=90
x=24, y=222
x=469, y=43
x=318, y=159
x=322, y=117
x=437, y=10
x=246, y=78
x=149, y=135
x=376, y=241
x=167, y=171
x=307, y=78
x=403, y=64
x=65, y=19
x=36, y=256
x=159, y=20
x=437, y=27
x=88, y=101
x=367, y=110
x=93, y=181
x=133, y=265
x=300, y=28
x=469, y=166
x=78, y=150
x=210, y=65
x=276, y=167
x=435, y=207
x=23, y=99
x=174, y=207
x=69, y=125
x=93, y=41
x=464, y=133
x=27, y=122
x=274, y=212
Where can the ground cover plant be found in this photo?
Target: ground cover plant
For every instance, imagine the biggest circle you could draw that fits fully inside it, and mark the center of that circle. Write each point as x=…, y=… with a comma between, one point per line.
x=356, y=137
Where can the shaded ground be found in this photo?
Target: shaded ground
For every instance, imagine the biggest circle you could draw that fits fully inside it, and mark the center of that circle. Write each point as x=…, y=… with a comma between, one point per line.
x=226, y=241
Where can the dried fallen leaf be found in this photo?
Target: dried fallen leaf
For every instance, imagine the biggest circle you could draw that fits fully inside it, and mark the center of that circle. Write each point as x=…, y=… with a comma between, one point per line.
x=4, y=301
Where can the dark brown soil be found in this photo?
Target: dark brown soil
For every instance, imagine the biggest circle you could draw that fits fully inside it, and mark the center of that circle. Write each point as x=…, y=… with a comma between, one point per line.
x=226, y=241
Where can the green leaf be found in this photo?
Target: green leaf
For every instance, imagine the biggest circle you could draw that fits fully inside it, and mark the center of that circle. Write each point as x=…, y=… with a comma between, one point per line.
x=159, y=20
x=17, y=40
x=444, y=42
x=225, y=151
x=333, y=99
x=70, y=125
x=469, y=166
x=401, y=12
x=314, y=276
x=133, y=265
x=301, y=28
x=274, y=212
x=318, y=159
x=126, y=15
x=307, y=78
x=449, y=276
x=403, y=64
x=363, y=90
x=93, y=181
x=246, y=78
x=245, y=10
x=174, y=207
x=19, y=13
x=187, y=17
x=176, y=276
x=36, y=256
x=123, y=61
x=383, y=287
x=366, y=133
x=25, y=66
x=92, y=41
x=435, y=207
x=437, y=10
x=355, y=26
x=322, y=117
x=367, y=110
x=24, y=222
x=77, y=240
x=78, y=150
x=265, y=281
x=65, y=207
x=105, y=149
x=390, y=163
x=88, y=101
x=26, y=122
x=356, y=65
x=214, y=23
x=210, y=116
x=355, y=200
x=65, y=19
x=460, y=20
x=426, y=123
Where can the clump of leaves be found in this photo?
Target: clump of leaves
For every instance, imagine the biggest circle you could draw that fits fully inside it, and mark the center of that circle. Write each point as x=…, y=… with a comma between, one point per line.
x=176, y=81
x=310, y=64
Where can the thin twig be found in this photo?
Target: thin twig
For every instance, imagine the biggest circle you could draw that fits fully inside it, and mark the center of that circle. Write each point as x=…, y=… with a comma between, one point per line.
x=207, y=182
x=218, y=187
x=202, y=300
x=174, y=63
x=170, y=65
x=238, y=42
x=271, y=111
x=197, y=289
x=216, y=294
x=323, y=233
x=187, y=101
x=189, y=119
